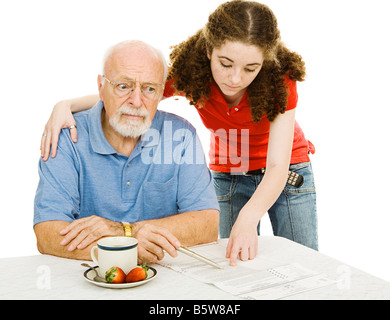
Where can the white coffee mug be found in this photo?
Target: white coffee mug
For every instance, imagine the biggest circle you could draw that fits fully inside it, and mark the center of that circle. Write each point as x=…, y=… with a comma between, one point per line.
x=118, y=252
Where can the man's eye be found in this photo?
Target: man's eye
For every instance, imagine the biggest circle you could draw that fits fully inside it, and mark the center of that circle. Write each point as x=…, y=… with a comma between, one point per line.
x=149, y=89
x=123, y=86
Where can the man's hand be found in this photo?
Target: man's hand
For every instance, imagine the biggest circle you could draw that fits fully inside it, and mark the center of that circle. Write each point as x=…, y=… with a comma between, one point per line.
x=82, y=232
x=152, y=241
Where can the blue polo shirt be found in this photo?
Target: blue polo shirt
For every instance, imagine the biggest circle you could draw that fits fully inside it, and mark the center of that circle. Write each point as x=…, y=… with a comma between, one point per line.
x=166, y=174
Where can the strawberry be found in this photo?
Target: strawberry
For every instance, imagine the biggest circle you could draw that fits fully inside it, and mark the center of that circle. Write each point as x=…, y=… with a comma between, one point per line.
x=138, y=274
x=115, y=275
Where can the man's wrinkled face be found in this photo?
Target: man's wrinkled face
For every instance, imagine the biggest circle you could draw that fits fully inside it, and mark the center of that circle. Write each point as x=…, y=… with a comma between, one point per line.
x=126, y=89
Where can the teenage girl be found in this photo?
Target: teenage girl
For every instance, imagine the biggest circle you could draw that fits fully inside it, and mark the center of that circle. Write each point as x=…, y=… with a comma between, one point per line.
x=242, y=81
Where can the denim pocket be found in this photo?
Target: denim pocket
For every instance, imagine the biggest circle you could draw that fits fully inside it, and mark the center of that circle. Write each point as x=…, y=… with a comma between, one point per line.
x=305, y=170
x=224, y=185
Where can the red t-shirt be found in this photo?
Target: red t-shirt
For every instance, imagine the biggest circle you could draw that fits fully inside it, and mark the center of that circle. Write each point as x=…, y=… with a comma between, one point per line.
x=237, y=143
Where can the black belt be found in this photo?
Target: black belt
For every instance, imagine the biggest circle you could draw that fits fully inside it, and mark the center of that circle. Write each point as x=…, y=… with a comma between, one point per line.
x=293, y=179
x=258, y=172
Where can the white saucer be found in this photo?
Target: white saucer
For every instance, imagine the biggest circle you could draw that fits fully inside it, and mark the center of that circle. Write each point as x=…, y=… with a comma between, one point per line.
x=91, y=274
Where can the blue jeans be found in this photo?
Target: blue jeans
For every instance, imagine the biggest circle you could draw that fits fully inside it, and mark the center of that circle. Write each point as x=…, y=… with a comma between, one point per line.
x=293, y=215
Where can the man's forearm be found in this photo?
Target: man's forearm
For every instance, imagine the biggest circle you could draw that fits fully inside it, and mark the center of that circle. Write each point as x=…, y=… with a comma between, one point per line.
x=49, y=241
x=190, y=228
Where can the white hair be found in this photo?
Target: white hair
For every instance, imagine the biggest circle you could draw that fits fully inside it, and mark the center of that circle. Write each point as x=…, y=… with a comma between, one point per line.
x=140, y=44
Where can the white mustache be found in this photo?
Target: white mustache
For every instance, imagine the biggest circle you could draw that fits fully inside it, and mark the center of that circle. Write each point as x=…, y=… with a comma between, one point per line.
x=138, y=112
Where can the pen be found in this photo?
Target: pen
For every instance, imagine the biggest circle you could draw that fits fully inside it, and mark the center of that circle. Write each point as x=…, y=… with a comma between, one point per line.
x=192, y=254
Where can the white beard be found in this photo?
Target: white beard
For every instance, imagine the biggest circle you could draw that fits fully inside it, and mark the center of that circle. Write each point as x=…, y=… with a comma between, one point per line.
x=131, y=128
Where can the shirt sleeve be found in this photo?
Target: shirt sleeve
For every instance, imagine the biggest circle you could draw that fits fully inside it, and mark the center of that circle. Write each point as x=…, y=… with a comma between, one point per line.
x=195, y=184
x=57, y=197
x=169, y=90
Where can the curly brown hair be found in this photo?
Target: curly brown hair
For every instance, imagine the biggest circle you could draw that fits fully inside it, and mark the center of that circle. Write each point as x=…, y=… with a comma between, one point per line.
x=251, y=23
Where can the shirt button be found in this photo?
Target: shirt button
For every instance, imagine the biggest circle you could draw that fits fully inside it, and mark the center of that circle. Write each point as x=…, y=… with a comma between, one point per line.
x=236, y=109
x=128, y=183
x=128, y=165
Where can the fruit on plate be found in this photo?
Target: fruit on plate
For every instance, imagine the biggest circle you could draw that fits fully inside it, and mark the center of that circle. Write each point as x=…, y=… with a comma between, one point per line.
x=115, y=275
x=137, y=274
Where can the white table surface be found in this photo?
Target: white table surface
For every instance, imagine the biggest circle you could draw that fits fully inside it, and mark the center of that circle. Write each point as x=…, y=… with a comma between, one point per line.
x=48, y=277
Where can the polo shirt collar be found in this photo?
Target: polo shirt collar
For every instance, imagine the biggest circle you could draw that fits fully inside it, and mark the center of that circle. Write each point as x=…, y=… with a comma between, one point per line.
x=98, y=139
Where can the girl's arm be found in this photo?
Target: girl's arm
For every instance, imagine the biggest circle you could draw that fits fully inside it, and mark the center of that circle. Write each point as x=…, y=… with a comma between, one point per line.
x=243, y=238
x=62, y=117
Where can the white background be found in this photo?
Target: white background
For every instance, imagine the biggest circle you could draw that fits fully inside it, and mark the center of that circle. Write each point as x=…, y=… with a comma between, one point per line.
x=52, y=50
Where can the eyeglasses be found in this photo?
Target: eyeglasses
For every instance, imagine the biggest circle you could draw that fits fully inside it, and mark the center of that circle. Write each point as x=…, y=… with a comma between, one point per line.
x=125, y=88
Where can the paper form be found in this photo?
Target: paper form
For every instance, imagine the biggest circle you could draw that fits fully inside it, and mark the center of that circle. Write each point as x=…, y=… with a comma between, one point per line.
x=261, y=278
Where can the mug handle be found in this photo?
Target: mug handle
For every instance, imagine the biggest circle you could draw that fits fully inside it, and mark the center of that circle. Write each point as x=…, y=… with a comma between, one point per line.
x=93, y=256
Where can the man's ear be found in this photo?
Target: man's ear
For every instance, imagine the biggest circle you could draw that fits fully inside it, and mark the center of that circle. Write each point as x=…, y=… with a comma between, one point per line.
x=100, y=80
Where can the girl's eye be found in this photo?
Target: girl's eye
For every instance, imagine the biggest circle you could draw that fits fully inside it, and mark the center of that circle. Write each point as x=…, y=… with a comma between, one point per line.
x=225, y=66
x=229, y=66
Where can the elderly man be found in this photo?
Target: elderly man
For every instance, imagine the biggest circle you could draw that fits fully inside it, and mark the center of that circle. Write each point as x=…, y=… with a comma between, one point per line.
x=134, y=170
